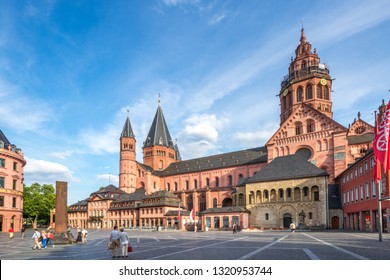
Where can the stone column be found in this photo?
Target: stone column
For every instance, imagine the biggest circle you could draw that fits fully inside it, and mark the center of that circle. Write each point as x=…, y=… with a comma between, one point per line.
x=62, y=236
x=61, y=207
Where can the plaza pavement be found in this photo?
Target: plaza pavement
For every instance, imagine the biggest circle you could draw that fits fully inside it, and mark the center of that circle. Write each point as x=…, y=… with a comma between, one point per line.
x=211, y=245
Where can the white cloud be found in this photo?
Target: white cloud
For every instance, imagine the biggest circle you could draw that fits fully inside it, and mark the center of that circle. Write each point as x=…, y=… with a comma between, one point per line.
x=46, y=172
x=108, y=179
x=254, y=139
x=179, y=2
x=204, y=127
x=62, y=155
x=23, y=112
x=217, y=19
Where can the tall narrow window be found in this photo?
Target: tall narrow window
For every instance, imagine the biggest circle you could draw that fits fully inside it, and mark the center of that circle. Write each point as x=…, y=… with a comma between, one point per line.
x=326, y=93
x=216, y=182
x=319, y=91
x=230, y=180
x=298, y=128
x=310, y=126
x=2, y=162
x=309, y=92
x=299, y=94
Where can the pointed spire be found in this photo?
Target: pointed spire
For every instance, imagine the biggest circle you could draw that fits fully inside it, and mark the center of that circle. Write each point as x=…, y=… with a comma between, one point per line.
x=303, y=37
x=159, y=134
x=127, y=130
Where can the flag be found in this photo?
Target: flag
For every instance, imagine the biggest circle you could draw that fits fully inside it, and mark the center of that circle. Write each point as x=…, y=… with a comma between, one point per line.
x=381, y=141
x=192, y=214
x=178, y=215
x=377, y=170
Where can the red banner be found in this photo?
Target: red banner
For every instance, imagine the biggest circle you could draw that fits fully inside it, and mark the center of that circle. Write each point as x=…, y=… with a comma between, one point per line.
x=381, y=141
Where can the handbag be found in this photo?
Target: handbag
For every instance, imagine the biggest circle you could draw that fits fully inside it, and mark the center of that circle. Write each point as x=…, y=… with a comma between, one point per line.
x=129, y=249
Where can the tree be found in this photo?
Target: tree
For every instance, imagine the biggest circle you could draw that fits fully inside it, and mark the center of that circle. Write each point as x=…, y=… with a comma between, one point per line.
x=37, y=202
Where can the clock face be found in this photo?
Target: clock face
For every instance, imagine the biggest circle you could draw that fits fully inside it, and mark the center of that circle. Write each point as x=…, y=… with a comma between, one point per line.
x=323, y=82
x=285, y=92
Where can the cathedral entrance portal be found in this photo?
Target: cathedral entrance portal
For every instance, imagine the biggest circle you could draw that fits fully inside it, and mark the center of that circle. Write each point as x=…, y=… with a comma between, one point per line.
x=287, y=220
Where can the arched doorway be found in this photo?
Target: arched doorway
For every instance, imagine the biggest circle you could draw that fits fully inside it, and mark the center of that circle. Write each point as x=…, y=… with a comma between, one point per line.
x=287, y=219
x=335, y=222
x=227, y=202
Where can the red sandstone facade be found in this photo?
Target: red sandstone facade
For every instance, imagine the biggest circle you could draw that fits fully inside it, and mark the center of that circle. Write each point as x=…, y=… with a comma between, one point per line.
x=11, y=185
x=360, y=195
x=209, y=184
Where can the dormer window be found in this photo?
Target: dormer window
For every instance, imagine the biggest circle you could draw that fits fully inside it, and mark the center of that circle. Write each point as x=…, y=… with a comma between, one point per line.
x=160, y=141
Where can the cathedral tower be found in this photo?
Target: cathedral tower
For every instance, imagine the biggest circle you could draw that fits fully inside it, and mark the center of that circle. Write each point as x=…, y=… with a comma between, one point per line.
x=308, y=81
x=127, y=165
x=159, y=151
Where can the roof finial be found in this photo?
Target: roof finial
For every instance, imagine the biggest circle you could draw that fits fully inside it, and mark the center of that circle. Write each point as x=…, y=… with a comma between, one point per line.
x=159, y=101
x=128, y=112
x=303, y=37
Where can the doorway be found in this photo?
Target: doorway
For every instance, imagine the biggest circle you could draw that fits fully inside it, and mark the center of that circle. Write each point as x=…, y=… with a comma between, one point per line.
x=287, y=220
x=335, y=222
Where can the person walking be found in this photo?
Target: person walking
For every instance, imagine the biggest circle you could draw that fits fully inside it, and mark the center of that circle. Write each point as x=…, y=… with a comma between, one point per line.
x=114, y=239
x=23, y=231
x=234, y=228
x=11, y=233
x=124, y=239
x=36, y=237
x=292, y=227
x=84, y=233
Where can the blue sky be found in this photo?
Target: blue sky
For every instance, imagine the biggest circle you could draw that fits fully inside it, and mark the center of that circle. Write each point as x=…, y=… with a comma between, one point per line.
x=70, y=70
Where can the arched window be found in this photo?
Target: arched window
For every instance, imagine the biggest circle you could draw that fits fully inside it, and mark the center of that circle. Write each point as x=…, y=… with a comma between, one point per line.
x=230, y=178
x=319, y=91
x=299, y=94
x=161, y=165
x=326, y=93
x=298, y=128
x=195, y=184
x=215, y=203
x=169, y=187
x=190, y=204
x=325, y=146
x=175, y=186
x=276, y=152
x=319, y=146
x=309, y=92
x=216, y=182
x=202, y=203
x=310, y=126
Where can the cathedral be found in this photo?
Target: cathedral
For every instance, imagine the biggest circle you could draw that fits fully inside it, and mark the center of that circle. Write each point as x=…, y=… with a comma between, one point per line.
x=289, y=179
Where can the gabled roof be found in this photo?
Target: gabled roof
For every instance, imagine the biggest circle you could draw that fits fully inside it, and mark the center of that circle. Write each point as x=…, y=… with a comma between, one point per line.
x=243, y=157
x=159, y=134
x=337, y=127
x=127, y=130
x=287, y=167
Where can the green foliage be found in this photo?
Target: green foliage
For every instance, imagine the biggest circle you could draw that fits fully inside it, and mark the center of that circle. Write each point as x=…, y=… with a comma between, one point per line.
x=37, y=203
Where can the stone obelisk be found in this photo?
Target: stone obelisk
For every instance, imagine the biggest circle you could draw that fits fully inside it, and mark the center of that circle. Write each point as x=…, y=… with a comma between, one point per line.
x=61, y=219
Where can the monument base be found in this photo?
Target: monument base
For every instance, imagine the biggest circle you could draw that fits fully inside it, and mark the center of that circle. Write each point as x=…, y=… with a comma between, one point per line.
x=64, y=238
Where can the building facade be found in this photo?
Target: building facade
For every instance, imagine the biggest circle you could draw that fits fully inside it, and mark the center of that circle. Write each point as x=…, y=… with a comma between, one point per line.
x=360, y=195
x=12, y=163
x=237, y=187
